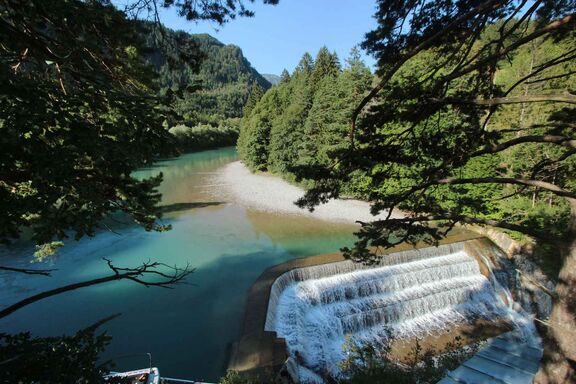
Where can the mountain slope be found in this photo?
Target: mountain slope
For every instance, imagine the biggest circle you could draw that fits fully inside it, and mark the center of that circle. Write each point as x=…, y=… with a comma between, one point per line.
x=272, y=79
x=222, y=74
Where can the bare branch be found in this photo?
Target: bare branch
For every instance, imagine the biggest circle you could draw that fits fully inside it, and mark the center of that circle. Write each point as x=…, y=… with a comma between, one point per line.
x=100, y=322
x=552, y=77
x=509, y=180
x=564, y=141
x=550, y=63
x=538, y=126
x=548, y=162
x=134, y=274
x=557, y=98
x=43, y=272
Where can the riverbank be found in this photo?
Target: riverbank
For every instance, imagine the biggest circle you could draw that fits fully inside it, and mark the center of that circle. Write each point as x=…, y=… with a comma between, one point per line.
x=263, y=192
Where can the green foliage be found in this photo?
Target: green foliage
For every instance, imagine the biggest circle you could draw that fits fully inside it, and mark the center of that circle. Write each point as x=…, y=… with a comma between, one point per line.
x=256, y=93
x=205, y=136
x=255, y=129
x=325, y=65
x=81, y=108
x=48, y=249
x=455, y=132
x=63, y=359
x=302, y=120
x=233, y=377
x=367, y=365
x=284, y=77
x=66, y=115
x=218, y=77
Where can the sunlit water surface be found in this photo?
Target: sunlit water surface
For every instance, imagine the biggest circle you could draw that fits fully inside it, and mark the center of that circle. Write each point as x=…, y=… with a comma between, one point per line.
x=189, y=329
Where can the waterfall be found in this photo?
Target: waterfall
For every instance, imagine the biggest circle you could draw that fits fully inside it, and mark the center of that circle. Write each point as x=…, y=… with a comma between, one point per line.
x=413, y=293
x=324, y=270
x=522, y=320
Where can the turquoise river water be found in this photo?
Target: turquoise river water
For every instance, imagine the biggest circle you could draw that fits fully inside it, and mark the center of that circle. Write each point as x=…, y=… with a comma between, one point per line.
x=189, y=329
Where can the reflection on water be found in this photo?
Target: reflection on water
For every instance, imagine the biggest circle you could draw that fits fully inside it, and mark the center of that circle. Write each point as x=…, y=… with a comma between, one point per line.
x=189, y=329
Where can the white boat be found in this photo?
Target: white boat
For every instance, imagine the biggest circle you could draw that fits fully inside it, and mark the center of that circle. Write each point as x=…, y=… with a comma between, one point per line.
x=139, y=376
x=145, y=376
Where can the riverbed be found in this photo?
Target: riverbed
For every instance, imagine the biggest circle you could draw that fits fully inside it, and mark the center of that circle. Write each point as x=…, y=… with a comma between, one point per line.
x=188, y=330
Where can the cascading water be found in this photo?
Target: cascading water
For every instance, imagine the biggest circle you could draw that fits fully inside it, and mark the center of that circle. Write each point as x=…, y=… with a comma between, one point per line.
x=522, y=320
x=317, y=309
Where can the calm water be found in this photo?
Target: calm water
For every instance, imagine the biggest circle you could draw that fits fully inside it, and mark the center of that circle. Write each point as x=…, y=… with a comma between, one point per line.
x=188, y=329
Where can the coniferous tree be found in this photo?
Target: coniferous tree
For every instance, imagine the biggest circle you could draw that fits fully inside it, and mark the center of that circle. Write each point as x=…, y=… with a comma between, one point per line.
x=255, y=131
x=326, y=64
x=305, y=65
x=328, y=120
x=322, y=83
x=286, y=135
x=284, y=77
x=256, y=93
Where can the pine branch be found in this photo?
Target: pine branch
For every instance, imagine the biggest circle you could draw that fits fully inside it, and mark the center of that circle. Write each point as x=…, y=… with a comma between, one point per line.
x=455, y=217
x=508, y=180
x=553, y=26
x=491, y=4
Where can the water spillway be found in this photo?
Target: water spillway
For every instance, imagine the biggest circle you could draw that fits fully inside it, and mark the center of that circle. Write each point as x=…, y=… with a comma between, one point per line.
x=320, y=309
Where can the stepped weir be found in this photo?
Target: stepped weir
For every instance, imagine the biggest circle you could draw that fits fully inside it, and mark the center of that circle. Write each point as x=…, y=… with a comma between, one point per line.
x=314, y=307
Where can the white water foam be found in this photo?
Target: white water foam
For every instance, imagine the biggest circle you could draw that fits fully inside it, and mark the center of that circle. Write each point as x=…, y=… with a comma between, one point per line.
x=317, y=309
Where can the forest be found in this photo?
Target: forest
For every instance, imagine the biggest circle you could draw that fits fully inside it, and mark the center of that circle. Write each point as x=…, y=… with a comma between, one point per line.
x=468, y=119
x=303, y=123
x=213, y=88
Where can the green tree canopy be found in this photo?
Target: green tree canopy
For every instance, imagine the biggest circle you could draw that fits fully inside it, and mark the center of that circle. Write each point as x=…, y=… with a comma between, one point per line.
x=256, y=93
x=438, y=139
x=285, y=76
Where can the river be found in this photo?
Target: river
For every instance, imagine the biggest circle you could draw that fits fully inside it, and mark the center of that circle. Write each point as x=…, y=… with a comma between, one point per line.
x=189, y=329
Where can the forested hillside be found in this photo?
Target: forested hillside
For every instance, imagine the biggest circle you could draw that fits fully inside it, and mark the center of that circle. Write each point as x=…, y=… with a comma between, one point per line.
x=300, y=127
x=306, y=116
x=216, y=85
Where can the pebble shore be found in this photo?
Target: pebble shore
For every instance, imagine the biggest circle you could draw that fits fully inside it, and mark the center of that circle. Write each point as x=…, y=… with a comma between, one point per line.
x=267, y=193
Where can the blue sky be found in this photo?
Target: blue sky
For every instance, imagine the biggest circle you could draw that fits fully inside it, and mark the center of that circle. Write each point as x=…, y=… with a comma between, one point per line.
x=278, y=35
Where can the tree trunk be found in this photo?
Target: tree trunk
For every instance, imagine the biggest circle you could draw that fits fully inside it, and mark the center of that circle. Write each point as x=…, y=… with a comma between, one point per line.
x=559, y=364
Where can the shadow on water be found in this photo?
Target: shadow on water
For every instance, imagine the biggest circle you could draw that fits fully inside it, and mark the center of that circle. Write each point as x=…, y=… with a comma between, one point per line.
x=178, y=207
x=209, y=312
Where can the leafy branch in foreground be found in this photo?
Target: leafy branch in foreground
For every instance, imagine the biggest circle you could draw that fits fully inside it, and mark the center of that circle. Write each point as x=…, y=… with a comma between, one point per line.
x=62, y=359
x=78, y=114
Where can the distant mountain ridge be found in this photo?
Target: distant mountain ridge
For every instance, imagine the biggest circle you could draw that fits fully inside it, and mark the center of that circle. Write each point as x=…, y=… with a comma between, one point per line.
x=272, y=79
